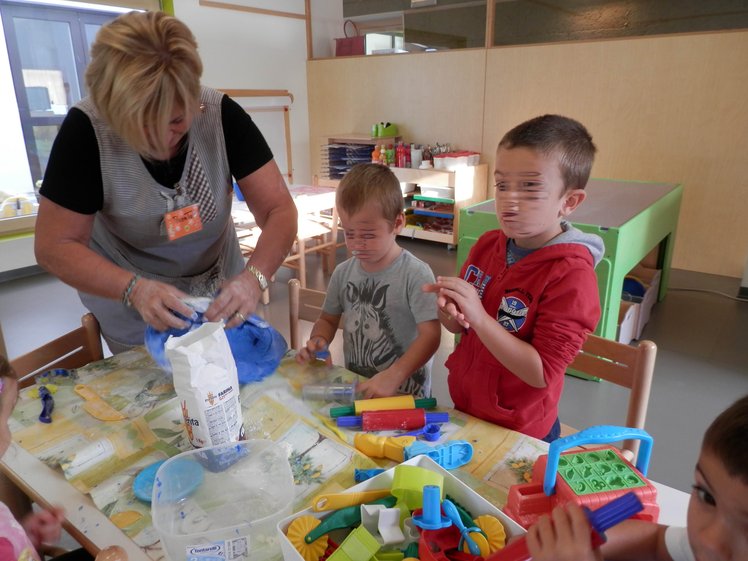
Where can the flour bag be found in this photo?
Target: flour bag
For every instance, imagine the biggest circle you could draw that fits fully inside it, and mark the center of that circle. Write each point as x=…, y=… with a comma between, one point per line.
x=207, y=385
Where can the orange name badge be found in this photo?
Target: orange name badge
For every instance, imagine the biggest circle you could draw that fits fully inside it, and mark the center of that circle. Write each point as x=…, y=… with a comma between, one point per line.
x=183, y=222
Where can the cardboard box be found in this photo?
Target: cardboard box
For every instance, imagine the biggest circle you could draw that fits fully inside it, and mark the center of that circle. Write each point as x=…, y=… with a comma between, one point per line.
x=463, y=494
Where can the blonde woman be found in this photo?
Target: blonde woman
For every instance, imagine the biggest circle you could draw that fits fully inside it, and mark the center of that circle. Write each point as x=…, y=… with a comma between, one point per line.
x=136, y=207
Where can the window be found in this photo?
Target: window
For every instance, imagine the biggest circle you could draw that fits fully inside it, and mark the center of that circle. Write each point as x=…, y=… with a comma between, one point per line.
x=48, y=50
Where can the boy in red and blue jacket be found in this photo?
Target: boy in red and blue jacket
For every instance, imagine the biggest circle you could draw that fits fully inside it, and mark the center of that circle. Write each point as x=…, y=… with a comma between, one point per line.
x=527, y=294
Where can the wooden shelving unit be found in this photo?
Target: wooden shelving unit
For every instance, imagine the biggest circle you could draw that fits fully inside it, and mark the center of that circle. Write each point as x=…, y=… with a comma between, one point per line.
x=433, y=218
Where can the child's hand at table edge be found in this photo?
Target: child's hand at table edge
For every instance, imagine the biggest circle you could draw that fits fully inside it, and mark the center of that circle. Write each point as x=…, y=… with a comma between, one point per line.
x=564, y=536
x=383, y=384
x=308, y=352
x=44, y=526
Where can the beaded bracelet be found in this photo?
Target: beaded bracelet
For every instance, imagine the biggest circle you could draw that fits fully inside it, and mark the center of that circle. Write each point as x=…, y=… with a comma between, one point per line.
x=128, y=290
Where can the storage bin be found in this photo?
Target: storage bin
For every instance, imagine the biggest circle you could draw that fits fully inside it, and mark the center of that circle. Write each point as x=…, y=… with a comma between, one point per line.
x=634, y=314
x=453, y=487
x=628, y=316
x=437, y=191
x=223, y=502
x=651, y=278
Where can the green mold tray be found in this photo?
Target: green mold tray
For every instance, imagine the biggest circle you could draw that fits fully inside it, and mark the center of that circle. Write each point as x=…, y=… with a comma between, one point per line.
x=599, y=471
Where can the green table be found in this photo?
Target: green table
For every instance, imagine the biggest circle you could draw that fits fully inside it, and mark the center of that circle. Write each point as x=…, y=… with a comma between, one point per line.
x=631, y=217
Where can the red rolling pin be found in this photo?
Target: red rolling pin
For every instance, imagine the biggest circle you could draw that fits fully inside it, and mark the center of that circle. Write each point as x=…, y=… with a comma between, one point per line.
x=396, y=419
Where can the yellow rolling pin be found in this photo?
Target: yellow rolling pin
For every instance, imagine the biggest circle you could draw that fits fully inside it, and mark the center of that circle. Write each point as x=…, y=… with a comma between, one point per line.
x=383, y=404
x=391, y=447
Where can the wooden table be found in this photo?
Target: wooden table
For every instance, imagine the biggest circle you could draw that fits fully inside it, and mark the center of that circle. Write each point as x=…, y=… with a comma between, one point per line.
x=632, y=218
x=88, y=465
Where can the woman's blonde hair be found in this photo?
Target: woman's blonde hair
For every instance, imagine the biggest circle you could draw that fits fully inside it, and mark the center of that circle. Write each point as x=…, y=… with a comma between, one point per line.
x=144, y=66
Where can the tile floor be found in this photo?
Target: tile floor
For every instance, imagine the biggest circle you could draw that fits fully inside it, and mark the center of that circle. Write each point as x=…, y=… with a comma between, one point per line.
x=702, y=362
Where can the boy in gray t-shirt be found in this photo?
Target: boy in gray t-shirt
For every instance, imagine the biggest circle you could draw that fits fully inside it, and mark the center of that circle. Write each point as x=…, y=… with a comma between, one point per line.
x=390, y=327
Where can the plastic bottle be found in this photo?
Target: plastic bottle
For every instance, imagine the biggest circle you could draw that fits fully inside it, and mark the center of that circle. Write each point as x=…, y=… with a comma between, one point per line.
x=390, y=155
x=401, y=160
x=383, y=155
x=375, y=155
x=427, y=157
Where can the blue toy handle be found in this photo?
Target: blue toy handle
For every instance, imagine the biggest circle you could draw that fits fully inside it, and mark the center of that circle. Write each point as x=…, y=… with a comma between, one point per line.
x=600, y=434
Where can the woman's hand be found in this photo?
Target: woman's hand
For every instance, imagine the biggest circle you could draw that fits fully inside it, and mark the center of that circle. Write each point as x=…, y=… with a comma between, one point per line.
x=236, y=301
x=565, y=536
x=156, y=303
x=44, y=526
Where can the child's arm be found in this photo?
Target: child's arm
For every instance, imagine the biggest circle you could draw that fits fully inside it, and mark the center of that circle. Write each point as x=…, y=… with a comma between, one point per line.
x=320, y=338
x=636, y=540
x=386, y=382
x=519, y=357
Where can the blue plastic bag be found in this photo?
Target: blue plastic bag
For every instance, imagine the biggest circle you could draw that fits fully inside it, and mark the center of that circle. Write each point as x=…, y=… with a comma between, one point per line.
x=256, y=345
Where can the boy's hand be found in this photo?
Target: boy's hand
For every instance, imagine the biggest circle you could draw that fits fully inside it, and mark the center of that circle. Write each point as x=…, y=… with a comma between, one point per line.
x=566, y=537
x=383, y=384
x=459, y=300
x=309, y=351
x=44, y=526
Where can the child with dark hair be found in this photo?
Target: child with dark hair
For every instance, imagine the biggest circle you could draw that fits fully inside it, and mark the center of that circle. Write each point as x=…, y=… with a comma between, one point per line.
x=717, y=528
x=527, y=295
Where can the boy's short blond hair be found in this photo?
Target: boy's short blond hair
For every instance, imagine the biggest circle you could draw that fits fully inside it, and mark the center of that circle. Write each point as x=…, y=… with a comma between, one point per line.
x=560, y=136
x=367, y=184
x=726, y=439
x=144, y=66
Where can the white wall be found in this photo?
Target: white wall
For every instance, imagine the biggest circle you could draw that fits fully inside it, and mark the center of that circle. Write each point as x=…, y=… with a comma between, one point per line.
x=243, y=50
x=15, y=175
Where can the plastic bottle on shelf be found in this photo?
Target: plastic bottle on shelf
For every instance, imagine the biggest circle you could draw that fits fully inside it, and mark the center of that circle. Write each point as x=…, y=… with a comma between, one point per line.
x=427, y=156
x=401, y=161
x=390, y=155
x=383, y=155
x=416, y=156
x=375, y=155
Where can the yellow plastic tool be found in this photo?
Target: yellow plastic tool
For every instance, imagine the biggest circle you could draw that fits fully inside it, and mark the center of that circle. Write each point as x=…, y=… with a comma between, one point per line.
x=335, y=501
x=385, y=403
x=96, y=406
x=391, y=447
x=494, y=530
x=300, y=528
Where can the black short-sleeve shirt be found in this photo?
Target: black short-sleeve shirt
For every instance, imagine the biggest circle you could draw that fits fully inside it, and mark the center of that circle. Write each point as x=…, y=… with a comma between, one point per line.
x=73, y=175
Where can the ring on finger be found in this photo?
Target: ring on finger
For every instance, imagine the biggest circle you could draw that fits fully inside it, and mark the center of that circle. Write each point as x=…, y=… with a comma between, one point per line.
x=240, y=316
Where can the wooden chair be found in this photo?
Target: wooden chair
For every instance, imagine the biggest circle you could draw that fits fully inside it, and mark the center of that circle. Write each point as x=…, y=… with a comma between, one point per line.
x=303, y=304
x=629, y=366
x=316, y=234
x=73, y=350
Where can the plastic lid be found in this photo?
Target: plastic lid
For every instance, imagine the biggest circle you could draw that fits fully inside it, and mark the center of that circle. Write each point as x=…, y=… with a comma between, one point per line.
x=185, y=477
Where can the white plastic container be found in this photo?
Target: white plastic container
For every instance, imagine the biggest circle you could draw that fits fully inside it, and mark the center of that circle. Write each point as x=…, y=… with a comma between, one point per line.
x=463, y=494
x=223, y=502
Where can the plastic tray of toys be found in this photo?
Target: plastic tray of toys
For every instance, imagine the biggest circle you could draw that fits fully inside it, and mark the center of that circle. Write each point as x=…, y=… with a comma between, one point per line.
x=455, y=489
